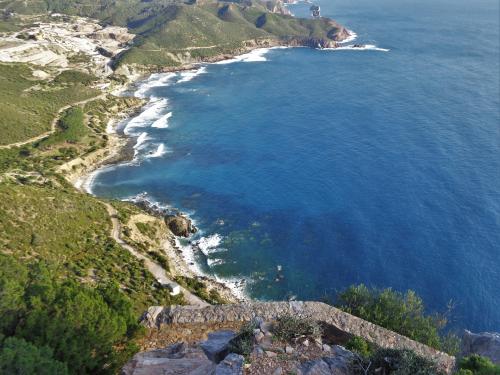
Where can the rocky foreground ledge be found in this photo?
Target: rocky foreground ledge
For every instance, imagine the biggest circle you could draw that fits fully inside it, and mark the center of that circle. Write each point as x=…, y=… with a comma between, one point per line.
x=340, y=323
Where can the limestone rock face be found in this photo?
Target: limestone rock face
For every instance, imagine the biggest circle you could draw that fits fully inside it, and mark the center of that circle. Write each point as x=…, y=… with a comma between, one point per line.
x=179, y=225
x=486, y=344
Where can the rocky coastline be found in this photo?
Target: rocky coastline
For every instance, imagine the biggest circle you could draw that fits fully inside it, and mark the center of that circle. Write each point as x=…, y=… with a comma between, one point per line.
x=119, y=149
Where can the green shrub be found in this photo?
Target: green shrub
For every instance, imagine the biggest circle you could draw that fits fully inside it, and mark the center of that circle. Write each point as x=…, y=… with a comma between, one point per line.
x=359, y=345
x=479, y=365
x=402, y=313
x=243, y=342
x=288, y=327
x=75, y=76
x=394, y=362
x=200, y=289
x=160, y=258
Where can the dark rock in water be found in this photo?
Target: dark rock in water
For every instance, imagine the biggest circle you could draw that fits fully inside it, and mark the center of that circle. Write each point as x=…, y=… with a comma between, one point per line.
x=486, y=344
x=216, y=346
x=104, y=52
x=180, y=225
x=231, y=365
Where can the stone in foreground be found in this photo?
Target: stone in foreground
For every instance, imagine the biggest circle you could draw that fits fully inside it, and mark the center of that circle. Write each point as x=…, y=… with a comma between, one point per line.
x=174, y=360
x=216, y=346
x=231, y=365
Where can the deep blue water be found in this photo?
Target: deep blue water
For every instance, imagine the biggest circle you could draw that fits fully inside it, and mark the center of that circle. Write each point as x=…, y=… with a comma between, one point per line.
x=345, y=166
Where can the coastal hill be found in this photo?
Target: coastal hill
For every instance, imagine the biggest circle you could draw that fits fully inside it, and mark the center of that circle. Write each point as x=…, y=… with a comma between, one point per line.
x=173, y=33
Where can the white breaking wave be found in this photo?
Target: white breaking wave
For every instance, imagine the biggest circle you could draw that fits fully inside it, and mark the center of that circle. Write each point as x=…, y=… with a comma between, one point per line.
x=257, y=55
x=152, y=111
x=155, y=80
x=352, y=37
x=140, y=140
x=363, y=47
x=162, y=122
x=160, y=151
x=190, y=74
x=214, y=262
x=210, y=244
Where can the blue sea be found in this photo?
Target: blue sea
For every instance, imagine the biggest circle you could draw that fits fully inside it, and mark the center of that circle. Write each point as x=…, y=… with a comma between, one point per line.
x=307, y=170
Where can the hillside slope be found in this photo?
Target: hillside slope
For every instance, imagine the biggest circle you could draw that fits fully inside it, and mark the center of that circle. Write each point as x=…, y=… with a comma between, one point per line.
x=171, y=33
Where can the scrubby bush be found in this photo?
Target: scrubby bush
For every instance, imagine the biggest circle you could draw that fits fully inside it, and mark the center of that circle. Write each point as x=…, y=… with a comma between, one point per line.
x=359, y=345
x=243, y=342
x=394, y=362
x=478, y=365
x=74, y=76
x=402, y=313
x=288, y=327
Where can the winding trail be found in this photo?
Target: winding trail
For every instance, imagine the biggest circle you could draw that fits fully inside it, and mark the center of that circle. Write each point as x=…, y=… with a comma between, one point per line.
x=158, y=271
x=52, y=125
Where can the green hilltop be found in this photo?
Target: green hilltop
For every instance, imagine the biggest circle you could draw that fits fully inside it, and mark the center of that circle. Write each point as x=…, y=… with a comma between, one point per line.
x=172, y=33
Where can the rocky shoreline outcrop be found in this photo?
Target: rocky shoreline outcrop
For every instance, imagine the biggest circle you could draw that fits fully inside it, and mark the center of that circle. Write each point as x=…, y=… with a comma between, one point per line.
x=486, y=344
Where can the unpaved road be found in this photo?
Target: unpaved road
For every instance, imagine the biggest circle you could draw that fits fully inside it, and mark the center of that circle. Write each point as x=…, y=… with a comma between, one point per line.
x=153, y=267
x=52, y=125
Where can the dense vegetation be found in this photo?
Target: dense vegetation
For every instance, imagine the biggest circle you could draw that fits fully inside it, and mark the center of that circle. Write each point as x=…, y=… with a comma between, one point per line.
x=477, y=365
x=70, y=297
x=402, y=313
x=81, y=328
x=28, y=105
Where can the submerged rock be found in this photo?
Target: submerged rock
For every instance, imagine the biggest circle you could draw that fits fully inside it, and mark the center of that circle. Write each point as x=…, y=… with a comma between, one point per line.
x=180, y=225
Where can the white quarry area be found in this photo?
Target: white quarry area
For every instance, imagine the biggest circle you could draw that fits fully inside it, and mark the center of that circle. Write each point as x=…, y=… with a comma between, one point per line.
x=53, y=43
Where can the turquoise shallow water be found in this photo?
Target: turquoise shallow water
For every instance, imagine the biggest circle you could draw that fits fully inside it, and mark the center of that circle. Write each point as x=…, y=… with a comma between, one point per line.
x=341, y=166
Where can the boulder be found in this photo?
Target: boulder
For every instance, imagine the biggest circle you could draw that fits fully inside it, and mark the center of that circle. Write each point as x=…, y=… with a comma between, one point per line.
x=486, y=344
x=337, y=363
x=173, y=360
x=340, y=360
x=216, y=346
x=315, y=367
x=231, y=365
x=179, y=225
x=150, y=317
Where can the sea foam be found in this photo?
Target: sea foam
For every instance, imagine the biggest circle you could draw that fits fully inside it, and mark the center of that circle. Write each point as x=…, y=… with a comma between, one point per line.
x=162, y=122
x=160, y=151
x=152, y=111
x=352, y=47
x=155, y=80
x=190, y=74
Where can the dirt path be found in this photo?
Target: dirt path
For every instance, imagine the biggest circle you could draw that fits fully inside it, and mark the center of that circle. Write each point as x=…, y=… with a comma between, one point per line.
x=52, y=125
x=158, y=271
